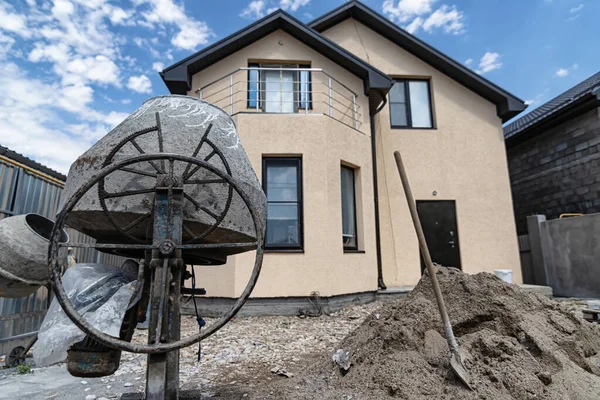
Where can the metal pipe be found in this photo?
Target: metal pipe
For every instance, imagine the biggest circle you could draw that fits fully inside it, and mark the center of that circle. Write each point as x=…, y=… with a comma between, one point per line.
x=231, y=95
x=355, y=119
x=277, y=69
x=330, y=104
x=200, y=94
x=380, y=282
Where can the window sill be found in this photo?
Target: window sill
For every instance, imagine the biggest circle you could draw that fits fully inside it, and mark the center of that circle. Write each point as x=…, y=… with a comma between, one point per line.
x=354, y=251
x=411, y=128
x=284, y=250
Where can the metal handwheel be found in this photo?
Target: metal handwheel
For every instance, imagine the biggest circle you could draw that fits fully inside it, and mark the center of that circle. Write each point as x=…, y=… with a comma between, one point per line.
x=166, y=250
x=205, y=145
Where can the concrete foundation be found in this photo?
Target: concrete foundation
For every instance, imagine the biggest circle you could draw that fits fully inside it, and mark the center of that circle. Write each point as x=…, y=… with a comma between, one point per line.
x=217, y=306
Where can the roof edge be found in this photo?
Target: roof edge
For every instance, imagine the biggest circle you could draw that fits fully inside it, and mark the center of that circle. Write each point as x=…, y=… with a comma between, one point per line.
x=508, y=105
x=28, y=162
x=581, y=105
x=177, y=77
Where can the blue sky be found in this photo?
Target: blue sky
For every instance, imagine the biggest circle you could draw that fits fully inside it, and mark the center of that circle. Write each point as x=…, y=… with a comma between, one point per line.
x=72, y=69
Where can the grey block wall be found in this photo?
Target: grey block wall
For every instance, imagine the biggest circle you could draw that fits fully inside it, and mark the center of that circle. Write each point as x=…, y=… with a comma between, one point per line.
x=565, y=254
x=557, y=171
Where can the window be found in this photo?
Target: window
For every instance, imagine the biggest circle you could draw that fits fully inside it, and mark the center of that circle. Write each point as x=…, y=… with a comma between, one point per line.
x=349, y=236
x=253, y=93
x=282, y=183
x=410, y=104
x=279, y=88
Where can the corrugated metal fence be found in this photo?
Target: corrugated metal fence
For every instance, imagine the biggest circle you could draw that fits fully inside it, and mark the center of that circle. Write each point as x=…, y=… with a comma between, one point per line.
x=21, y=192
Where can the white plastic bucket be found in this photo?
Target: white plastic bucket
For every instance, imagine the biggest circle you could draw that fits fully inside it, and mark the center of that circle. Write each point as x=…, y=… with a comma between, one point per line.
x=504, y=274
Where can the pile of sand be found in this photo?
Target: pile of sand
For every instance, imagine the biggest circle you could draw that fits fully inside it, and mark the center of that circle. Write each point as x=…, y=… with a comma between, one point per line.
x=519, y=346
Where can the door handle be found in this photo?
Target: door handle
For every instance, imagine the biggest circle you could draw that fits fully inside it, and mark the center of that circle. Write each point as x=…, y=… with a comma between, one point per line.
x=451, y=243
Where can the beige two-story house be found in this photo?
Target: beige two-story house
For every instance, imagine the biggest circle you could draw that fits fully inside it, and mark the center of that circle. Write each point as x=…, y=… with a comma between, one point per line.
x=320, y=109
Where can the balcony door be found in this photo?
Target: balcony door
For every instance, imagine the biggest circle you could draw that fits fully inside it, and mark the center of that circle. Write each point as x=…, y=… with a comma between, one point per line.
x=279, y=90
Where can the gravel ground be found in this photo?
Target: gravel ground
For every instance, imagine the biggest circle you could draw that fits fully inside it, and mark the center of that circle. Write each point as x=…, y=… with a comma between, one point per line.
x=234, y=360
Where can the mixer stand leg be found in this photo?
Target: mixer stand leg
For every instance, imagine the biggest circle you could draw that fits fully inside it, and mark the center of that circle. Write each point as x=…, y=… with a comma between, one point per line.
x=162, y=375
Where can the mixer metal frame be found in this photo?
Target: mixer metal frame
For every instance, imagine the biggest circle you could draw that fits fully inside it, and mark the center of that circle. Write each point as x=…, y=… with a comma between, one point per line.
x=162, y=271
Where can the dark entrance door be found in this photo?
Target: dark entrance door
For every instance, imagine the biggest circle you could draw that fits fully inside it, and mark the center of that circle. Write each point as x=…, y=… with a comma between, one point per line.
x=438, y=219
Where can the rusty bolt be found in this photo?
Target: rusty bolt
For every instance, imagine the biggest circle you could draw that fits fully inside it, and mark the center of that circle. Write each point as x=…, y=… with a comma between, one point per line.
x=167, y=247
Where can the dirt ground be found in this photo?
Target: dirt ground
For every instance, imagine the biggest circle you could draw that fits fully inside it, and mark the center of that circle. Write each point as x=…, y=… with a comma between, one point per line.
x=290, y=358
x=235, y=361
x=517, y=345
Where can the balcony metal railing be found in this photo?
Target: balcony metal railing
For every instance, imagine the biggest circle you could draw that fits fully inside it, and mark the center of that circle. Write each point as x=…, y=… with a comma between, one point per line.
x=309, y=91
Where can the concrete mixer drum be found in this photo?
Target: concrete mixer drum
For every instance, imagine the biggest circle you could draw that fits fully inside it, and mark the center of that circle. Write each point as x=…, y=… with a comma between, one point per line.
x=161, y=188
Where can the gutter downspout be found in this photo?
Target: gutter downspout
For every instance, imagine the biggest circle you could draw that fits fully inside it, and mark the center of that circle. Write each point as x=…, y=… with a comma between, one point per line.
x=380, y=283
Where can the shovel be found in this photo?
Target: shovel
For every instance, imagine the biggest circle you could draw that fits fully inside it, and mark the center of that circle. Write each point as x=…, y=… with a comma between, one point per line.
x=456, y=362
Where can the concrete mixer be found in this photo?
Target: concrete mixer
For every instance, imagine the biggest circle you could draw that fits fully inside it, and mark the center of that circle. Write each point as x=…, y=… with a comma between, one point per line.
x=23, y=254
x=172, y=186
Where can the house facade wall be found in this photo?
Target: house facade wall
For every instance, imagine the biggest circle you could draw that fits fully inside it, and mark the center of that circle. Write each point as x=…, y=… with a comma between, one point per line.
x=558, y=170
x=462, y=159
x=324, y=144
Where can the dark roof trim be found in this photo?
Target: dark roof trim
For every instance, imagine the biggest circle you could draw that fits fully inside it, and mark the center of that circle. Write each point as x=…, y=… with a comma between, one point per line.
x=590, y=86
x=178, y=76
x=507, y=105
x=21, y=159
x=581, y=105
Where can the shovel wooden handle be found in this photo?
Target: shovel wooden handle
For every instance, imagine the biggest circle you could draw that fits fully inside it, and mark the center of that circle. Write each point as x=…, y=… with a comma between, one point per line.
x=425, y=251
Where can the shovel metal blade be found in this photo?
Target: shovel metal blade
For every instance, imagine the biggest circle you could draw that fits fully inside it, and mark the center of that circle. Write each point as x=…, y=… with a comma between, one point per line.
x=459, y=369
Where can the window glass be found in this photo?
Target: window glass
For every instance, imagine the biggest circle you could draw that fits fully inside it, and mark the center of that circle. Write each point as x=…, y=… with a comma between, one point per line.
x=304, y=88
x=398, y=114
x=282, y=224
x=410, y=104
x=349, y=236
x=282, y=184
x=397, y=93
x=253, y=88
x=279, y=91
x=420, y=112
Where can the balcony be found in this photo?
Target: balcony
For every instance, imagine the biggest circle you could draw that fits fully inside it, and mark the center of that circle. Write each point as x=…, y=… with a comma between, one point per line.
x=284, y=90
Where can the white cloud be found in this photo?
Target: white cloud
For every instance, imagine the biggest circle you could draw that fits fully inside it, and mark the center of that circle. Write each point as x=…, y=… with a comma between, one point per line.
x=561, y=72
x=34, y=125
x=158, y=66
x=140, y=84
x=449, y=19
x=192, y=33
x=469, y=61
x=12, y=22
x=292, y=5
x=575, y=66
x=489, y=62
x=6, y=43
x=576, y=9
x=538, y=98
x=97, y=69
x=254, y=10
x=406, y=10
x=416, y=14
x=575, y=12
x=414, y=25
x=76, y=55
x=258, y=8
